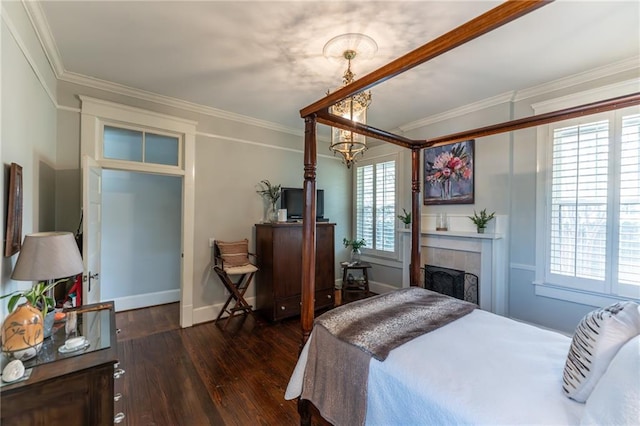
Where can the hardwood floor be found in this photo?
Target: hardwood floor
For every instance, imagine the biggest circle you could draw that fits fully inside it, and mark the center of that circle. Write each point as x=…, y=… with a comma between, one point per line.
x=203, y=375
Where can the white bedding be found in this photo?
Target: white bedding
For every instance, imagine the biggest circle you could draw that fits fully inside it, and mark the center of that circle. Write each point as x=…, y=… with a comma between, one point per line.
x=481, y=369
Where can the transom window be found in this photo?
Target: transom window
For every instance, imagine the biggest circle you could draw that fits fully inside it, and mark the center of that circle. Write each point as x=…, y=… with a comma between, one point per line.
x=140, y=146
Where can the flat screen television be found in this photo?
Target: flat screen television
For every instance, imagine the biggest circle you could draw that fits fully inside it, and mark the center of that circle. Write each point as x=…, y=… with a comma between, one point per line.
x=292, y=200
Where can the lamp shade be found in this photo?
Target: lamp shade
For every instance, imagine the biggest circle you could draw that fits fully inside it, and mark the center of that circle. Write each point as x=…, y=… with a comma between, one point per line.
x=48, y=256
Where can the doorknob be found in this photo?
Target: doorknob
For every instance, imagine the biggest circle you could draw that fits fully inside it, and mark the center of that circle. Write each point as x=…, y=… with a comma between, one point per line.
x=87, y=278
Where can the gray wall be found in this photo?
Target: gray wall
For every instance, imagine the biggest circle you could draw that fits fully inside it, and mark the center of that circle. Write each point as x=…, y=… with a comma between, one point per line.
x=232, y=157
x=27, y=130
x=506, y=183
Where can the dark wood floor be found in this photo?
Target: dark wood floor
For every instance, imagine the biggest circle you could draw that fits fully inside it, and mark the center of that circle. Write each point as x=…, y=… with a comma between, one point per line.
x=203, y=375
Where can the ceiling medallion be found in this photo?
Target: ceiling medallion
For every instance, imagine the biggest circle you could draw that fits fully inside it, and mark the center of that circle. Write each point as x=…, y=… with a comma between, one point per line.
x=353, y=108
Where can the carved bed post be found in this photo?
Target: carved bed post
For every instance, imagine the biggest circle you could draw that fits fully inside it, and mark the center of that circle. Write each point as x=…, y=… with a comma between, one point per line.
x=308, y=246
x=309, y=227
x=414, y=272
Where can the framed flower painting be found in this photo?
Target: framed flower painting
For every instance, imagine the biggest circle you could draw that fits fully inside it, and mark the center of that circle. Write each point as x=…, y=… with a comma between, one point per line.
x=448, y=174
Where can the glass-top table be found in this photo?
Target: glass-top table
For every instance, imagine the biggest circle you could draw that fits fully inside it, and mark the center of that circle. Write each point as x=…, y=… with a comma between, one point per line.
x=94, y=325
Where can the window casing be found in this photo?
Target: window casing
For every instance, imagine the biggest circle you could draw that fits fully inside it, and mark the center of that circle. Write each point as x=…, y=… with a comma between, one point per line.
x=591, y=207
x=375, y=205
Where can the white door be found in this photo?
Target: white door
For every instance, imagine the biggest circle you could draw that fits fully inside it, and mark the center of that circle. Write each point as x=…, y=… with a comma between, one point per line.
x=91, y=228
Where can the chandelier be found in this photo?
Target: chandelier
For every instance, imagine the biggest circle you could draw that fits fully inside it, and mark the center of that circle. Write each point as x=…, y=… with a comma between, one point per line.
x=349, y=144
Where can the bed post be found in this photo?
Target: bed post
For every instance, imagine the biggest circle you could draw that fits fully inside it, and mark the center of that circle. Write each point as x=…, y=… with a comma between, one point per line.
x=414, y=268
x=309, y=227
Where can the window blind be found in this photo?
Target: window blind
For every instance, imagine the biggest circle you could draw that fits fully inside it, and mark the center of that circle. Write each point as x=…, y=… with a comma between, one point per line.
x=629, y=224
x=579, y=183
x=376, y=205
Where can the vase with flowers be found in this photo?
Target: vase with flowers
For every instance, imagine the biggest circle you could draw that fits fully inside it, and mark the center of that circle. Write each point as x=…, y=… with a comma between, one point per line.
x=449, y=166
x=270, y=193
x=355, y=248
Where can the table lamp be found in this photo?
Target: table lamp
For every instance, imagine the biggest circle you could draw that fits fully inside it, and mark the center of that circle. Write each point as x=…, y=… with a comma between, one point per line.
x=45, y=256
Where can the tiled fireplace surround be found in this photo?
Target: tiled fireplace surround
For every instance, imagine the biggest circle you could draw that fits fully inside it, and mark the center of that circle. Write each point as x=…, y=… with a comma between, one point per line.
x=463, y=248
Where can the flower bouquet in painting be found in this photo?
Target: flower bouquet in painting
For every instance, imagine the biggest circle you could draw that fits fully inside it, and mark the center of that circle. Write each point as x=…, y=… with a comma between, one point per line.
x=448, y=174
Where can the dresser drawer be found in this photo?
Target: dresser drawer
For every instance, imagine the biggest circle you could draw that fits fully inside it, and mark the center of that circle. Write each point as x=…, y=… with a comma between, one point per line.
x=285, y=308
x=324, y=298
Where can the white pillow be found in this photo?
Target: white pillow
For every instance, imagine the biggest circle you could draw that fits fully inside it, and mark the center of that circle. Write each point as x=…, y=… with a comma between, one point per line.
x=616, y=398
x=595, y=342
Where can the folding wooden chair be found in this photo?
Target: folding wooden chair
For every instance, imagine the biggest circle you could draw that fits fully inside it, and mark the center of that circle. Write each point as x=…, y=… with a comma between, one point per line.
x=232, y=259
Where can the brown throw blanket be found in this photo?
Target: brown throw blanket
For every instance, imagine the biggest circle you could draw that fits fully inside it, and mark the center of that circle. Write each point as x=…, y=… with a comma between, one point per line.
x=345, y=338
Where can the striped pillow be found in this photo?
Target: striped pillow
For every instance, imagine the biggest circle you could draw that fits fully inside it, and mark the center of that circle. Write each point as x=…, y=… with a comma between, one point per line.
x=595, y=342
x=234, y=253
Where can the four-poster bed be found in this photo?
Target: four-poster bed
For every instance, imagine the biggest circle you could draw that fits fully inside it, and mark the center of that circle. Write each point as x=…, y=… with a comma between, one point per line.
x=318, y=112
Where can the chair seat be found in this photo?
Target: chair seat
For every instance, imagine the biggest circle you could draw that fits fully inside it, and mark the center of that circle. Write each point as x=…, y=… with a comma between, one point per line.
x=240, y=270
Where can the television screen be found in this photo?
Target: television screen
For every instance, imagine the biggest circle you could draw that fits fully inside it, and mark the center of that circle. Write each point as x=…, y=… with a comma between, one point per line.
x=292, y=200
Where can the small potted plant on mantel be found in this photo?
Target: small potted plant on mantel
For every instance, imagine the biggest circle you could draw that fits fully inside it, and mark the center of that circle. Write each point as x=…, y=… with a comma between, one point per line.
x=405, y=218
x=481, y=220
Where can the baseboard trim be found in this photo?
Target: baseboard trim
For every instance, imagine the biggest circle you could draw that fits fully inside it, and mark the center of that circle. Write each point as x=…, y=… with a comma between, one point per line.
x=144, y=300
x=209, y=313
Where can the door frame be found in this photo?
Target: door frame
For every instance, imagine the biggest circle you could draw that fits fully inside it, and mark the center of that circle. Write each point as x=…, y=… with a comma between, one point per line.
x=93, y=116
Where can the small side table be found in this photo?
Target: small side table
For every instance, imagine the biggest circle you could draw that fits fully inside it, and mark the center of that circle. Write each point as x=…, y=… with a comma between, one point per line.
x=358, y=284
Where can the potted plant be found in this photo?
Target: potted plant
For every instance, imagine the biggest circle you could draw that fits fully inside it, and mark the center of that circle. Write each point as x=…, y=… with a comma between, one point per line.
x=481, y=220
x=271, y=193
x=355, y=248
x=37, y=296
x=405, y=218
x=28, y=323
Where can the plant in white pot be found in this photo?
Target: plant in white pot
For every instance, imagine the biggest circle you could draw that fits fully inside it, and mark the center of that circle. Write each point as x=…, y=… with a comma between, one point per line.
x=405, y=218
x=481, y=220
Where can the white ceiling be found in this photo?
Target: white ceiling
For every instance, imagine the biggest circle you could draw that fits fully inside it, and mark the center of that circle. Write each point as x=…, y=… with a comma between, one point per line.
x=263, y=59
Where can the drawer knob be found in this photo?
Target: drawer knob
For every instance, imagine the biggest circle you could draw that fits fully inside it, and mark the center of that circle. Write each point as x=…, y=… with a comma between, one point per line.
x=328, y=296
x=118, y=373
x=117, y=397
x=283, y=308
x=118, y=418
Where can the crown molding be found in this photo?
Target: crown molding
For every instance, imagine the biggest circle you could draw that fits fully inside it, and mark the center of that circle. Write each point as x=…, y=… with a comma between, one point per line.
x=580, y=78
x=261, y=144
x=457, y=112
x=43, y=32
x=120, y=89
x=519, y=95
x=15, y=34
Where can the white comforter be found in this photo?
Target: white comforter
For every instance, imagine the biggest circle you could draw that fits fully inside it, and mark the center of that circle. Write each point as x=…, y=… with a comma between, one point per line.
x=481, y=369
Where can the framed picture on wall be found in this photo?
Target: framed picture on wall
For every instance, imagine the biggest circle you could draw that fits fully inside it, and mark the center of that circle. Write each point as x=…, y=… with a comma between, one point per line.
x=448, y=174
x=13, y=236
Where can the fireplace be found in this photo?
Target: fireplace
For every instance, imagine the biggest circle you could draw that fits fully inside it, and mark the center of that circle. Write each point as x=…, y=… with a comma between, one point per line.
x=452, y=282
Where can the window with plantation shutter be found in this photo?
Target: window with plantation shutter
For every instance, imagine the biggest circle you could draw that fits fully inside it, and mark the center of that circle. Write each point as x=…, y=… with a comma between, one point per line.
x=375, y=202
x=629, y=223
x=593, y=204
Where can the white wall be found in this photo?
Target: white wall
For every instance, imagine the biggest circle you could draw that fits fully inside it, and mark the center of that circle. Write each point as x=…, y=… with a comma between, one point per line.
x=28, y=129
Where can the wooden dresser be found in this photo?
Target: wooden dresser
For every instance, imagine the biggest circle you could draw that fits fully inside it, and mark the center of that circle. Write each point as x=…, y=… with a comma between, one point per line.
x=69, y=389
x=278, y=281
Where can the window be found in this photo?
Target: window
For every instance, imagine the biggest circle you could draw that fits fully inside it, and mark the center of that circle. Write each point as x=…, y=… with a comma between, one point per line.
x=140, y=146
x=593, y=205
x=376, y=205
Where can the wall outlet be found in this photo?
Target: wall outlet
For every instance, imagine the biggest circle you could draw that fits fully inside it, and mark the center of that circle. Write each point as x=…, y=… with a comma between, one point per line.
x=211, y=240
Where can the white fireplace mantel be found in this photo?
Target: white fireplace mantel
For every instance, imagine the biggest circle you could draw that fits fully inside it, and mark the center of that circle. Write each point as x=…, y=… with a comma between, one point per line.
x=490, y=246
